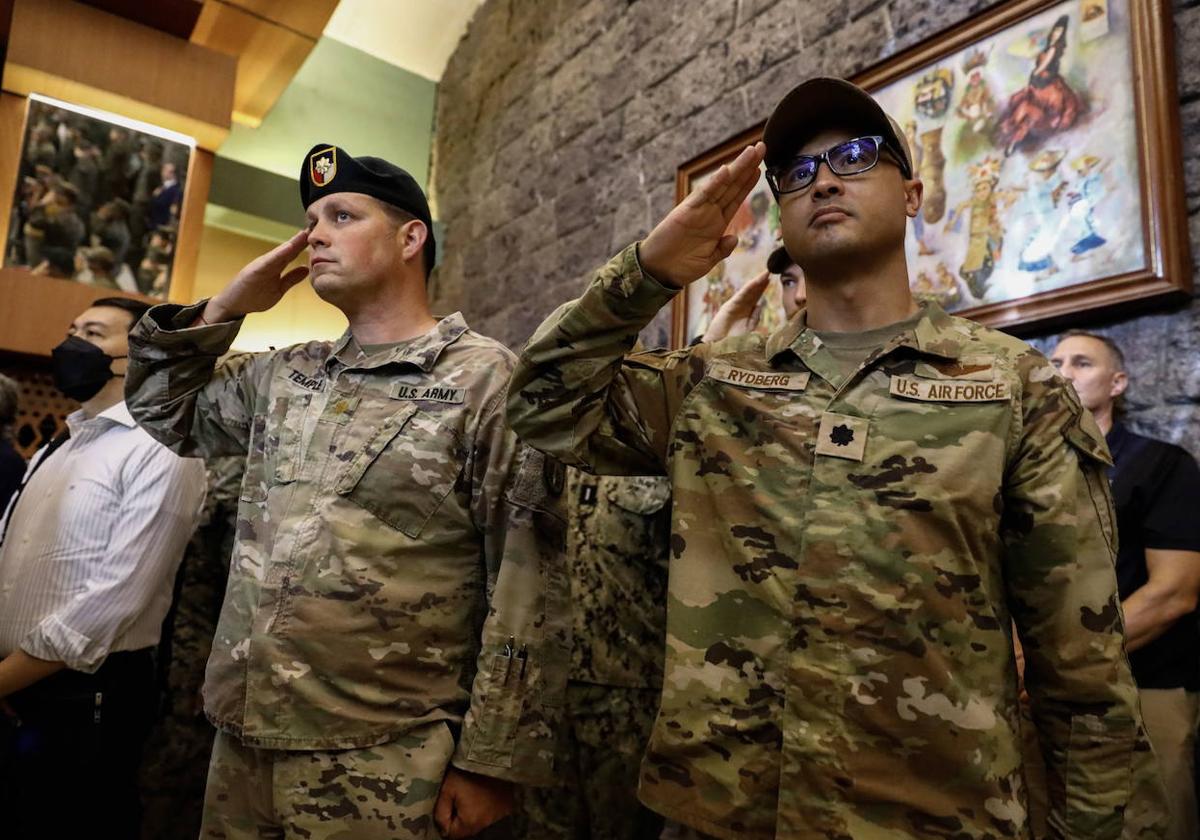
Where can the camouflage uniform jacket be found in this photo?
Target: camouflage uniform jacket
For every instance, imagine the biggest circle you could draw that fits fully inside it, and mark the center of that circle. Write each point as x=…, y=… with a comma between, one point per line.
x=397, y=558
x=844, y=565
x=617, y=531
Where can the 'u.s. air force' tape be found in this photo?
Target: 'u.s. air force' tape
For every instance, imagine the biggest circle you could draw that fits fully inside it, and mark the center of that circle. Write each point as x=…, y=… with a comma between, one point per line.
x=948, y=390
x=431, y=393
x=767, y=380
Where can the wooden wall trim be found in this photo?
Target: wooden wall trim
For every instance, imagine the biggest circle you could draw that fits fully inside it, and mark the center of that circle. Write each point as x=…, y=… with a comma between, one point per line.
x=94, y=58
x=35, y=311
x=191, y=226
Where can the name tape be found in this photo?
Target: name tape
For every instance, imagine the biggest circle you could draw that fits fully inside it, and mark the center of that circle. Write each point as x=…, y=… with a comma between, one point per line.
x=948, y=390
x=762, y=379
x=430, y=393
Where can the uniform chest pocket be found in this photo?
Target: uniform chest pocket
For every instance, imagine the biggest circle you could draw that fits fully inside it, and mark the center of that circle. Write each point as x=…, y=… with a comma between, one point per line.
x=404, y=472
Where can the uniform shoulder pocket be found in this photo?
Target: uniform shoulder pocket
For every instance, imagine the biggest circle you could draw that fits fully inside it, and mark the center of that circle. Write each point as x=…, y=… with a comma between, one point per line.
x=275, y=452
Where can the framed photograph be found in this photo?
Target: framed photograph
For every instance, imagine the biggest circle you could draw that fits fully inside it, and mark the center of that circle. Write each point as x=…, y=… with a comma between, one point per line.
x=98, y=199
x=1046, y=133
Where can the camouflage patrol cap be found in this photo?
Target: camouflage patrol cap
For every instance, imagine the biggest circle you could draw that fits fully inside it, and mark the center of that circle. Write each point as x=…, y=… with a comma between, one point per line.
x=826, y=102
x=329, y=169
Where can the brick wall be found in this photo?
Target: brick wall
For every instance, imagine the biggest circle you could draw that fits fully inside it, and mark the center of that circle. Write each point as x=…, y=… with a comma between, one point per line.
x=560, y=124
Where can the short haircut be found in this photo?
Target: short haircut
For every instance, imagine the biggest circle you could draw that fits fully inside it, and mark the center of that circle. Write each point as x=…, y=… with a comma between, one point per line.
x=400, y=217
x=135, y=308
x=10, y=393
x=1113, y=349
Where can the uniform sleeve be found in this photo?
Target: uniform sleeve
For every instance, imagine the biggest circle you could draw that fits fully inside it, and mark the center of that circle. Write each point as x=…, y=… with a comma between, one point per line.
x=579, y=394
x=511, y=728
x=1058, y=529
x=177, y=392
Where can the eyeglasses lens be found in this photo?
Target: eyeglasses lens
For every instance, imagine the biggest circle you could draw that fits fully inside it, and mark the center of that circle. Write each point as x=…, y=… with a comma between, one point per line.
x=854, y=156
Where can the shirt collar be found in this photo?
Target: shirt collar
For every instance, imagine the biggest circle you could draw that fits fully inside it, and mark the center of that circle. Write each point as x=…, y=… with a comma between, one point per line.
x=934, y=335
x=1116, y=437
x=113, y=415
x=422, y=352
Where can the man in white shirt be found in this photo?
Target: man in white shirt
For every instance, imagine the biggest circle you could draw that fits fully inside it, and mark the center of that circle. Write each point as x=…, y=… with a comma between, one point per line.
x=89, y=547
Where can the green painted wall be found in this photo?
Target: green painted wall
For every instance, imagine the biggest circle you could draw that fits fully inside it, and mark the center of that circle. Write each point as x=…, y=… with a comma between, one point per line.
x=348, y=98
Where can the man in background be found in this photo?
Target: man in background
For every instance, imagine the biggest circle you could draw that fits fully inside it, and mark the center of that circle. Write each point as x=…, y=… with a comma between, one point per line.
x=88, y=553
x=1156, y=487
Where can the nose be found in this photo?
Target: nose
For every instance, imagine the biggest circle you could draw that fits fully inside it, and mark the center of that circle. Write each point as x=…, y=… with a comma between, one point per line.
x=826, y=183
x=318, y=235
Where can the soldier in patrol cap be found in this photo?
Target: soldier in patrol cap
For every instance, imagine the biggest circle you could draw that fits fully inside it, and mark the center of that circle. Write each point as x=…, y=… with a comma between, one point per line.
x=863, y=504
x=392, y=645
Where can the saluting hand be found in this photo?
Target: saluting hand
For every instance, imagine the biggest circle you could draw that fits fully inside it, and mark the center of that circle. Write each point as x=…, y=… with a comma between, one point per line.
x=685, y=245
x=259, y=285
x=737, y=315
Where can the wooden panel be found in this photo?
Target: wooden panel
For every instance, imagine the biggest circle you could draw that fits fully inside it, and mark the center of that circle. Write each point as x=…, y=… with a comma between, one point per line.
x=12, y=131
x=307, y=18
x=268, y=56
x=6, y=13
x=175, y=17
x=84, y=55
x=35, y=311
x=191, y=226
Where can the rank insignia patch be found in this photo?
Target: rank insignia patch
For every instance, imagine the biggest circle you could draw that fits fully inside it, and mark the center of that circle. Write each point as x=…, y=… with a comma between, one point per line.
x=322, y=166
x=842, y=436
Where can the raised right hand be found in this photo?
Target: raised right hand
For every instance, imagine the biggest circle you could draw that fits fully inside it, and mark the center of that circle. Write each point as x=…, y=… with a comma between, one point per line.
x=259, y=285
x=685, y=245
x=737, y=316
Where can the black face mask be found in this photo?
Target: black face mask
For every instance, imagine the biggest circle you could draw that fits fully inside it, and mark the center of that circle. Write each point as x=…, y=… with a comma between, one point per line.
x=81, y=368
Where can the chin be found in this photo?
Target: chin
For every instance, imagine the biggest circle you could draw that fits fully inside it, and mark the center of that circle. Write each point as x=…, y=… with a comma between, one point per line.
x=328, y=287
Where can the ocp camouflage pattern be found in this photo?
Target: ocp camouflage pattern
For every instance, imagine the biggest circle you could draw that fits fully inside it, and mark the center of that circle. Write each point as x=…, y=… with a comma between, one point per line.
x=845, y=563
x=398, y=557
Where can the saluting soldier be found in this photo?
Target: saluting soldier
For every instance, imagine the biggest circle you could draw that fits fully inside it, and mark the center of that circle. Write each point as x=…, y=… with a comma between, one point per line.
x=863, y=503
x=392, y=645
x=617, y=532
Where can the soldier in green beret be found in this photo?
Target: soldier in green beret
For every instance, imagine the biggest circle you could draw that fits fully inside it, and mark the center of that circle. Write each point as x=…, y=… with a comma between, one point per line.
x=390, y=656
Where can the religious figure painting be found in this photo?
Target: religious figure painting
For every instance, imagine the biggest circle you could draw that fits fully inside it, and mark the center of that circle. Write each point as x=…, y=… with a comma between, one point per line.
x=1047, y=140
x=1036, y=175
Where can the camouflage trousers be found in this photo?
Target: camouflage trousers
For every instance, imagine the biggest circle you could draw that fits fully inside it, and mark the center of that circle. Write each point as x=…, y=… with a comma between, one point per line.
x=384, y=792
x=607, y=731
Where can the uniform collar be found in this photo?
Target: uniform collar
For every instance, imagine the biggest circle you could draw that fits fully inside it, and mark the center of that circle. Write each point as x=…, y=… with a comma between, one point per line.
x=934, y=335
x=422, y=351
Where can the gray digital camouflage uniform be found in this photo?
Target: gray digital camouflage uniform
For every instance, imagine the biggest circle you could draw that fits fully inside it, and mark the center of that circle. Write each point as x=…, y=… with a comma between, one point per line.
x=398, y=559
x=617, y=532
x=844, y=565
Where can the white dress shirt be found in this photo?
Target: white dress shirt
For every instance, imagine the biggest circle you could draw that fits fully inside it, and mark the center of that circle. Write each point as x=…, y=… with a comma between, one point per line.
x=88, y=562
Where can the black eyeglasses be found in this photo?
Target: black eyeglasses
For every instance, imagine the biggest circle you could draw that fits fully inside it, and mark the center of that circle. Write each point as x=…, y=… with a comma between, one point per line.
x=849, y=158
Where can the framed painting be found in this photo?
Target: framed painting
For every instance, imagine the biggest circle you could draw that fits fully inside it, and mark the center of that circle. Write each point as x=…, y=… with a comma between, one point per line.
x=99, y=198
x=1046, y=133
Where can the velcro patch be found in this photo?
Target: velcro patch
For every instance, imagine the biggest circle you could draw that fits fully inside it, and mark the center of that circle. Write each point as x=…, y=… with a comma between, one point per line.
x=948, y=390
x=305, y=381
x=430, y=393
x=764, y=380
x=842, y=436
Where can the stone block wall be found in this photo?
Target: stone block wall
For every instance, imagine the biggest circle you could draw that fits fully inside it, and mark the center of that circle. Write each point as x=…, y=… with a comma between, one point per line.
x=560, y=125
